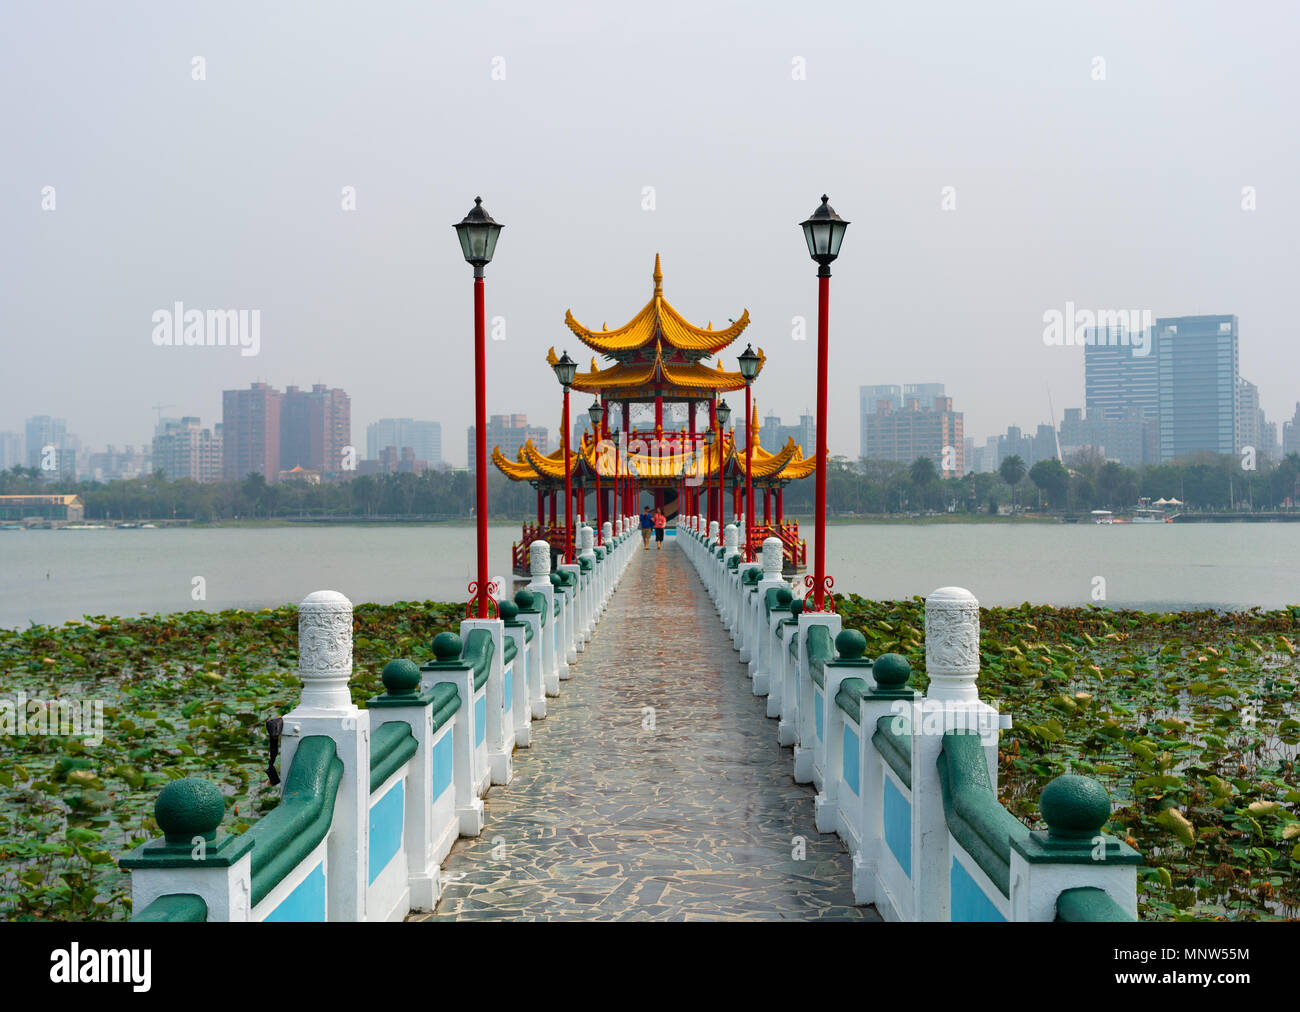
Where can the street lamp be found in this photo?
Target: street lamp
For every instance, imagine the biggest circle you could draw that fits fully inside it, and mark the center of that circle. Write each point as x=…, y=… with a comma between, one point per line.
x=478, y=234
x=595, y=413
x=612, y=426
x=565, y=370
x=824, y=232
x=724, y=416
x=749, y=366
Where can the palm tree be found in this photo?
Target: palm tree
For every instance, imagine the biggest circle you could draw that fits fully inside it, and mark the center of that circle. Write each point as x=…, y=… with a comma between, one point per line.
x=1012, y=471
x=923, y=475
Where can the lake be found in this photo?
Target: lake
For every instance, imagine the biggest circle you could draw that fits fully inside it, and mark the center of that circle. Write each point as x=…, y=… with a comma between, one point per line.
x=53, y=576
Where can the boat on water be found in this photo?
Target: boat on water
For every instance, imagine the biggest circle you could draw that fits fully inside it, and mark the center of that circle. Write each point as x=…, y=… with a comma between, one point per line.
x=1145, y=512
x=1103, y=517
x=13, y=527
x=84, y=527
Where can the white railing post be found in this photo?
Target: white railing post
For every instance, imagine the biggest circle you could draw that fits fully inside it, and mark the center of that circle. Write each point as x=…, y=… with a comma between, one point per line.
x=326, y=708
x=543, y=591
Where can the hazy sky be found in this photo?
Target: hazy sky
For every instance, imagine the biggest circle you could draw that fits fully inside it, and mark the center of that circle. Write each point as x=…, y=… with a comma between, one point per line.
x=1115, y=193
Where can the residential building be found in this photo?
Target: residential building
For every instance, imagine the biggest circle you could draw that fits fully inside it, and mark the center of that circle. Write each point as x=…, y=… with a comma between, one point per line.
x=184, y=449
x=902, y=435
x=119, y=465
x=509, y=432
x=870, y=398
x=315, y=430
x=1131, y=440
x=51, y=448
x=1291, y=434
x=250, y=423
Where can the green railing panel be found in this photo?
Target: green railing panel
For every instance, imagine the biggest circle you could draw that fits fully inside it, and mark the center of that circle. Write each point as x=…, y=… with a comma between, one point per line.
x=975, y=818
x=446, y=701
x=174, y=908
x=478, y=654
x=849, y=697
x=391, y=744
x=289, y=832
x=821, y=648
x=1089, y=904
x=893, y=740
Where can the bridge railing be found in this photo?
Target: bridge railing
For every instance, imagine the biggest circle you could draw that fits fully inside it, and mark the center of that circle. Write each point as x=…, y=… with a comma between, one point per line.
x=909, y=781
x=373, y=798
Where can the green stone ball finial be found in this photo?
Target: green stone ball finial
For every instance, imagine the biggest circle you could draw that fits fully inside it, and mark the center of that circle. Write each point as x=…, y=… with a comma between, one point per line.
x=189, y=808
x=891, y=671
x=524, y=599
x=783, y=596
x=507, y=609
x=1074, y=807
x=447, y=646
x=401, y=677
x=796, y=607
x=850, y=644
x=555, y=579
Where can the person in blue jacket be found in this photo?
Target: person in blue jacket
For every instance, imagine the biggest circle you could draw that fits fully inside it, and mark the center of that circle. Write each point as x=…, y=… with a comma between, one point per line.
x=647, y=527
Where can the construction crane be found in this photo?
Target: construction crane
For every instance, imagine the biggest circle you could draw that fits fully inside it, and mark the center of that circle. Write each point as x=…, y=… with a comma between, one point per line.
x=159, y=409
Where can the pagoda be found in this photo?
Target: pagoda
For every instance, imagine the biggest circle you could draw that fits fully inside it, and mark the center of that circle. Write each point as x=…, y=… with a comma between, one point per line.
x=658, y=360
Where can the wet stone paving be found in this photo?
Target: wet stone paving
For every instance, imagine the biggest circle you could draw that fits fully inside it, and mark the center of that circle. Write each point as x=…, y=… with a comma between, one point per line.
x=655, y=788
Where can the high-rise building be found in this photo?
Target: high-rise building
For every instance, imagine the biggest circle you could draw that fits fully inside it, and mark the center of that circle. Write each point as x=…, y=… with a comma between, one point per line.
x=119, y=465
x=1291, y=434
x=423, y=438
x=1250, y=420
x=250, y=427
x=185, y=449
x=1131, y=440
x=914, y=431
x=772, y=435
x=1197, y=357
x=12, y=451
x=315, y=427
x=1121, y=374
x=509, y=432
x=51, y=448
x=870, y=398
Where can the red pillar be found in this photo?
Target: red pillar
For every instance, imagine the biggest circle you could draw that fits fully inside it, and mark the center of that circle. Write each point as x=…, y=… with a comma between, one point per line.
x=767, y=506
x=819, y=509
x=541, y=507
x=780, y=511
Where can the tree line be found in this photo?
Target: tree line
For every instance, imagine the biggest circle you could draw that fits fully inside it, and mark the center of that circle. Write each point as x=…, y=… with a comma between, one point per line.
x=854, y=488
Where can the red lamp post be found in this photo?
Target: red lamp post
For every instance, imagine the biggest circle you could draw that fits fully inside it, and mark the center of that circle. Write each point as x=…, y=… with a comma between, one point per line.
x=478, y=234
x=709, y=438
x=724, y=416
x=596, y=414
x=824, y=232
x=749, y=366
x=612, y=430
x=565, y=370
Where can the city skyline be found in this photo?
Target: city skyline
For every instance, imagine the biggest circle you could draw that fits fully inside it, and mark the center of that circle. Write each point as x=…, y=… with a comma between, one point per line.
x=1008, y=205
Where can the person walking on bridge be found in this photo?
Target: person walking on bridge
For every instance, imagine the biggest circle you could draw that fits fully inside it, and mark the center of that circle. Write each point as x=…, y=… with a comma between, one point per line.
x=661, y=522
x=647, y=525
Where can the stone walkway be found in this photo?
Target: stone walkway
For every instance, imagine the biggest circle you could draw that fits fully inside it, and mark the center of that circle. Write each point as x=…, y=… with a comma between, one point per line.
x=655, y=789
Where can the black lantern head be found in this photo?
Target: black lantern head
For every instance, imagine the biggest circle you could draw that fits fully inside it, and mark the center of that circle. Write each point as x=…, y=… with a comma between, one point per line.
x=594, y=413
x=565, y=370
x=824, y=231
x=749, y=363
x=478, y=237
x=724, y=414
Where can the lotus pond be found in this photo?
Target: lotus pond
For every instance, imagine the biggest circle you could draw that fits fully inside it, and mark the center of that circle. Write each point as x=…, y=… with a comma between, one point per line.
x=1188, y=719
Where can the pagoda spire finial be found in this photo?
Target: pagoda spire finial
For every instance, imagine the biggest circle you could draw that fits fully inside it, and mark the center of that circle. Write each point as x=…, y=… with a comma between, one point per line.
x=658, y=277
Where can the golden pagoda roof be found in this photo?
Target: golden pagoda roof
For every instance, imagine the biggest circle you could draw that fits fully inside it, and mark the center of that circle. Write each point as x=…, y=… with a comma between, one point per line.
x=660, y=324
x=623, y=375
x=786, y=463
